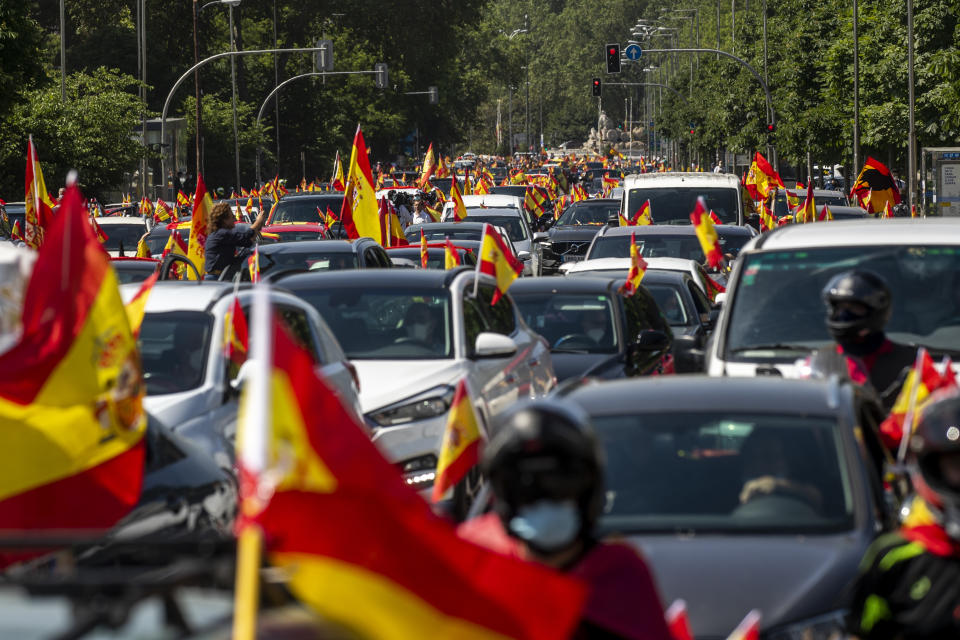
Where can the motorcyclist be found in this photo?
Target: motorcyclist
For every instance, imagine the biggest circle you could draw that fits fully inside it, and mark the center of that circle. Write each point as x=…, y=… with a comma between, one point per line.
x=909, y=582
x=545, y=467
x=858, y=307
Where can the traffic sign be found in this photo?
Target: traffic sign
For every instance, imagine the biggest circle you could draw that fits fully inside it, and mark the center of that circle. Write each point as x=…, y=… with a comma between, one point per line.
x=633, y=52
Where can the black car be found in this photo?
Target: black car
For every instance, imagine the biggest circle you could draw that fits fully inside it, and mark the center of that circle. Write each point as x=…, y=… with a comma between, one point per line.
x=303, y=206
x=314, y=255
x=689, y=313
x=571, y=235
x=467, y=251
x=743, y=494
x=593, y=329
x=16, y=215
x=665, y=241
x=134, y=269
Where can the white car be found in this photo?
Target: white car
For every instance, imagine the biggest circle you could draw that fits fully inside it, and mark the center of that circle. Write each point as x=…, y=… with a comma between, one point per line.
x=191, y=386
x=773, y=313
x=673, y=195
x=507, y=212
x=123, y=233
x=413, y=334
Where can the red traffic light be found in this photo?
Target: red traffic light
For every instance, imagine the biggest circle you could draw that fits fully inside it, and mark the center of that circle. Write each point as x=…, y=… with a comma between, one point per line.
x=596, y=83
x=613, y=52
x=691, y=131
x=771, y=128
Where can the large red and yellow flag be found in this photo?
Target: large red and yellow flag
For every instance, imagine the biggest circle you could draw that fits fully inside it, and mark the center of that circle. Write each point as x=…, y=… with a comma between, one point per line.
x=460, y=448
x=429, y=166
x=459, y=209
x=638, y=268
x=762, y=178
x=497, y=260
x=197, y=247
x=332, y=498
x=641, y=217
x=875, y=187
x=70, y=391
x=451, y=259
x=137, y=307
x=706, y=234
x=359, y=214
x=38, y=206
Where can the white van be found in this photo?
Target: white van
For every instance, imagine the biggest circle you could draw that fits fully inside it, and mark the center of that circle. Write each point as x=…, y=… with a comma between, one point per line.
x=674, y=194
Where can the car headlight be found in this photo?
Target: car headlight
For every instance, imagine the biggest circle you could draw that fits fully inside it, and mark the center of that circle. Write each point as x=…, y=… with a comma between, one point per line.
x=830, y=626
x=429, y=404
x=419, y=472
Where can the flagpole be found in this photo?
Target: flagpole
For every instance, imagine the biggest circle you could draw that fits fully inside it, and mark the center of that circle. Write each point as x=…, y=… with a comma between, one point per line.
x=252, y=445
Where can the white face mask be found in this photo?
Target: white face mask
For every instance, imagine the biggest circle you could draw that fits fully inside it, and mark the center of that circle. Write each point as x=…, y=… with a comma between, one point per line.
x=418, y=331
x=547, y=525
x=595, y=334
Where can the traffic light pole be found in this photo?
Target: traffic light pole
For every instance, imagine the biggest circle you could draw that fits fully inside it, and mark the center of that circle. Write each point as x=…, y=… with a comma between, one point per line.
x=771, y=116
x=277, y=88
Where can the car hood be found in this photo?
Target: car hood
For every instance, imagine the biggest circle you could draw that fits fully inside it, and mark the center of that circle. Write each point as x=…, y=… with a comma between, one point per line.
x=573, y=233
x=173, y=409
x=384, y=382
x=722, y=577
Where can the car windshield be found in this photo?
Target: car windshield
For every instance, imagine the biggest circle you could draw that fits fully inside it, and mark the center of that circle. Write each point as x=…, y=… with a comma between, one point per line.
x=436, y=257
x=173, y=350
x=452, y=231
x=305, y=209
x=514, y=225
x=571, y=321
x=593, y=214
x=510, y=190
x=294, y=236
x=670, y=303
x=159, y=236
x=684, y=246
x=673, y=206
x=311, y=259
x=387, y=324
x=777, y=299
x=125, y=235
x=724, y=472
x=134, y=271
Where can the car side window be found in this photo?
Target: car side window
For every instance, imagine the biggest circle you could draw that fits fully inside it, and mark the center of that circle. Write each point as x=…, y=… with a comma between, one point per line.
x=299, y=326
x=384, y=258
x=500, y=316
x=370, y=260
x=474, y=321
x=649, y=311
x=700, y=300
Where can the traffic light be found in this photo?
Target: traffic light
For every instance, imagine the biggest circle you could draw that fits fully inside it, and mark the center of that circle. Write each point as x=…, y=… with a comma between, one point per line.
x=381, y=78
x=433, y=97
x=613, y=58
x=596, y=87
x=771, y=128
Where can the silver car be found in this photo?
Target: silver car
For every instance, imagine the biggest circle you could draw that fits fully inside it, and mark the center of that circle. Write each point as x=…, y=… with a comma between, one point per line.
x=192, y=388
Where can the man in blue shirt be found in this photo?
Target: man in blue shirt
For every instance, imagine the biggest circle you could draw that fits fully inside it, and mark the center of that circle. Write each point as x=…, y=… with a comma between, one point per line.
x=225, y=238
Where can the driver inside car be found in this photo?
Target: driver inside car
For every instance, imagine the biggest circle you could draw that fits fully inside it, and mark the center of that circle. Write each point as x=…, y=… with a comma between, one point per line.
x=767, y=470
x=595, y=326
x=419, y=325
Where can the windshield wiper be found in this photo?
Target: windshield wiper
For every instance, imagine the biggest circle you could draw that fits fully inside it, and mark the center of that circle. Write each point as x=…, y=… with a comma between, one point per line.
x=778, y=346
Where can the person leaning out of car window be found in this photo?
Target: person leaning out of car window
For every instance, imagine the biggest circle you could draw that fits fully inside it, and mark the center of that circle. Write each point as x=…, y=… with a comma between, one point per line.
x=226, y=241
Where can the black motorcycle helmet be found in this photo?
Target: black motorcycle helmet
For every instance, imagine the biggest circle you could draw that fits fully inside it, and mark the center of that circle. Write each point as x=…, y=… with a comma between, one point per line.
x=546, y=449
x=858, y=304
x=935, y=447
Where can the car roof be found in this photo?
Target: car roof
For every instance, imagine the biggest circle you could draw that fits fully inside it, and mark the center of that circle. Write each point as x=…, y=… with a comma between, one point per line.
x=668, y=264
x=299, y=246
x=491, y=200
x=561, y=285
x=373, y=278
x=685, y=178
x=176, y=295
x=676, y=230
x=671, y=394
x=310, y=194
x=433, y=226
x=109, y=220
x=842, y=233
x=595, y=201
x=664, y=276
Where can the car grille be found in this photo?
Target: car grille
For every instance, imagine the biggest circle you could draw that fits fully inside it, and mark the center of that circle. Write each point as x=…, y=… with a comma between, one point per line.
x=571, y=248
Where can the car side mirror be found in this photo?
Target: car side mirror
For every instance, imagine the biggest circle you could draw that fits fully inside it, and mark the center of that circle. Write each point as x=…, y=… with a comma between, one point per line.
x=493, y=345
x=652, y=340
x=541, y=237
x=523, y=255
x=719, y=300
x=243, y=374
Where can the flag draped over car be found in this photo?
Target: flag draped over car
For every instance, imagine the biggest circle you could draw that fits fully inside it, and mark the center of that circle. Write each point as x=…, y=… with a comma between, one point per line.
x=38, y=205
x=875, y=187
x=359, y=213
x=706, y=234
x=497, y=260
x=460, y=447
x=355, y=542
x=70, y=391
x=638, y=268
x=197, y=245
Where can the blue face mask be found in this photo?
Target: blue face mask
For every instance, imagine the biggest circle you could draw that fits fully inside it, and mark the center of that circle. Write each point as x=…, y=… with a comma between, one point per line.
x=547, y=525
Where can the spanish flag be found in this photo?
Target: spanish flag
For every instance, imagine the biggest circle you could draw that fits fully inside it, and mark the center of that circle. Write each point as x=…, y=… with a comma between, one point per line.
x=451, y=258
x=359, y=213
x=706, y=234
x=182, y=199
x=498, y=261
x=330, y=218
x=825, y=214
x=253, y=264
x=101, y=236
x=163, y=213
x=70, y=391
x=762, y=178
x=678, y=622
x=887, y=211
x=235, y=334
x=137, y=307
x=337, y=180
x=922, y=380
x=197, y=247
x=638, y=268
x=460, y=448
x=641, y=217
x=429, y=166
x=807, y=212
x=424, y=254
x=15, y=232
x=391, y=228
x=143, y=250
x=38, y=206
x=875, y=187
x=748, y=629
x=459, y=209
x=358, y=545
